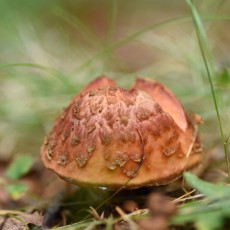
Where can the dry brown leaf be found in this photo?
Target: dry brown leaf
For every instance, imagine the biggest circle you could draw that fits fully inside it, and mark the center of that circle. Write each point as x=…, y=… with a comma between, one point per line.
x=13, y=221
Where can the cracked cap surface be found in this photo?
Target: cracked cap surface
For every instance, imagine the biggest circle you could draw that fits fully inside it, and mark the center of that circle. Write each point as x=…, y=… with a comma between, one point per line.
x=108, y=135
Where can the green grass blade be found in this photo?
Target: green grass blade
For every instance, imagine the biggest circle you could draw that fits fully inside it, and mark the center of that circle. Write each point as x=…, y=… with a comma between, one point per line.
x=77, y=24
x=138, y=33
x=205, y=52
x=125, y=40
x=112, y=16
x=54, y=73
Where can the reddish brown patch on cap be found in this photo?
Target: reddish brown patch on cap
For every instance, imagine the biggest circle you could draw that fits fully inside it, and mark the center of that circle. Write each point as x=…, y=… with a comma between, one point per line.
x=164, y=98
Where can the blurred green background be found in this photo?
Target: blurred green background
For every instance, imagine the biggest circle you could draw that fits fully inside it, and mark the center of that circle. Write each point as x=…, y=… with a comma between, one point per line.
x=50, y=49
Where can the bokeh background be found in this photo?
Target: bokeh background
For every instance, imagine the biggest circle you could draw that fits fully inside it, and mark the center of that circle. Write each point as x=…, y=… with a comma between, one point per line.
x=50, y=49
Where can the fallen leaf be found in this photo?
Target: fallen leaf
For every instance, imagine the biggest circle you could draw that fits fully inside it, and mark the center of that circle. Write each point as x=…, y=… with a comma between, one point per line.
x=20, y=221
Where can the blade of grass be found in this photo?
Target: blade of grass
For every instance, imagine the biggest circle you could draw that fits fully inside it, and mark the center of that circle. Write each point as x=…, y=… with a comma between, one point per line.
x=54, y=73
x=125, y=40
x=74, y=21
x=26, y=65
x=205, y=52
x=112, y=16
x=138, y=33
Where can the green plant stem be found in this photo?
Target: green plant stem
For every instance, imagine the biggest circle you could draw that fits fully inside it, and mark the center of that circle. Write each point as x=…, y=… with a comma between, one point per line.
x=202, y=40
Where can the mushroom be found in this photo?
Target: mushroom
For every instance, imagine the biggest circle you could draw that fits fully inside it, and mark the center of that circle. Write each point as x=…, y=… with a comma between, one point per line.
x=109, y=136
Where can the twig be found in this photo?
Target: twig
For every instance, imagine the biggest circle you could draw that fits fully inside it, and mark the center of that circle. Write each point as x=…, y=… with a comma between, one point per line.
x=190, y=198
x=177, y=200
x=132, y=224
x=188, y=154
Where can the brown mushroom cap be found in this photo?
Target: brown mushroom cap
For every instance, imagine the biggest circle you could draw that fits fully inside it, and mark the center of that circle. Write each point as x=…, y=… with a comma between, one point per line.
x=108, y=136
